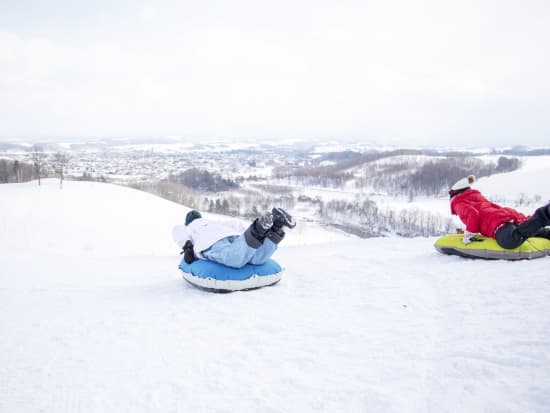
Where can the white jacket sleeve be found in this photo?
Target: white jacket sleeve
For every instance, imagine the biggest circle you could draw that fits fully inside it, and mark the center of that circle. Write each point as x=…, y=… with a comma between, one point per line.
x=180, y=235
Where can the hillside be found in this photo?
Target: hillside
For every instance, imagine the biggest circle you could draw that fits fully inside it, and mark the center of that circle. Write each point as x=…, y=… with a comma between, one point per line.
x=94, y=317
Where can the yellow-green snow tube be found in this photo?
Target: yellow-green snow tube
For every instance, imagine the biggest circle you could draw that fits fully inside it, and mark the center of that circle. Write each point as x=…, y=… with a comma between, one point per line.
x=488, y=248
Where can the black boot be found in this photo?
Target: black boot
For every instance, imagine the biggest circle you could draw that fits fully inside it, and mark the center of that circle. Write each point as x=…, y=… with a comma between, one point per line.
x=256, y=232
x=544, y=214
x=543, y=233
x=540, y=219
x=275, y=235
x=282, y=218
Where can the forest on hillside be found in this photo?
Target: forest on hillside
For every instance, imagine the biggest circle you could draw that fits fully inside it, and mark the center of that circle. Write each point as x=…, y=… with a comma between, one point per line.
x=400, y=172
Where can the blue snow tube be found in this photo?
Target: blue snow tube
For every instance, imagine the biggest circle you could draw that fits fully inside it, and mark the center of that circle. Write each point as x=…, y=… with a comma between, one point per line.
x=216, y=277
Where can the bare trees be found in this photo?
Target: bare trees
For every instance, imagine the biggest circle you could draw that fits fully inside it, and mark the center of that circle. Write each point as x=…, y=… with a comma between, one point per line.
x=399, y=172
x=40, y=164
x=243, y=203
x=60, y=160
x=15, y=171
x=37, y=166
x=366, y=219
x=38, y=158
x=4, y=171
x=18, y=171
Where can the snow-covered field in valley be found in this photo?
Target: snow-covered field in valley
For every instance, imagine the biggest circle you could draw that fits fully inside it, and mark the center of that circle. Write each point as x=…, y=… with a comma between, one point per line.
x=95, y=317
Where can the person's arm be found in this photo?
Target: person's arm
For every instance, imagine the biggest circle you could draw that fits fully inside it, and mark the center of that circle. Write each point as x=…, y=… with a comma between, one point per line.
x=188, y=252
x=469, y=215
x=181, y=235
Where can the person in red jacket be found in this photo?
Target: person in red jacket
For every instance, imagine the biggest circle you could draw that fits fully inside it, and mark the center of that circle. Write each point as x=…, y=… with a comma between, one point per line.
x=509, y=227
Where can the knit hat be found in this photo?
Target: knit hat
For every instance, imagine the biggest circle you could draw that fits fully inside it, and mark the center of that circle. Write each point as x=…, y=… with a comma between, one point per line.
x=462, y=185
x=192, y=215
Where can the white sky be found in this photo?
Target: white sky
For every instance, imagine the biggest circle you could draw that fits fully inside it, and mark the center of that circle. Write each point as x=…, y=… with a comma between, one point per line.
x=420, y=72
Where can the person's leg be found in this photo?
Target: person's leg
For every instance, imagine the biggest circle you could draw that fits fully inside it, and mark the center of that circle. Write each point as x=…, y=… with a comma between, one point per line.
x=269, y=246
x=282, y=218
x=256, y=232
x=231, y=251
x=539, y=220
x=543, y=233
x=237, y=251
x=508, y=236
x=512, y=235
x=274, y=235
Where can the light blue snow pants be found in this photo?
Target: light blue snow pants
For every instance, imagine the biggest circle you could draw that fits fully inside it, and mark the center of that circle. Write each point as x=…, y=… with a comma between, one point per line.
x=234, y=252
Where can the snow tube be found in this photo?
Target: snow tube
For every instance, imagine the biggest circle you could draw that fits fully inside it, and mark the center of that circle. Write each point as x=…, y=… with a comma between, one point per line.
x=489, y=249
x=212, y=276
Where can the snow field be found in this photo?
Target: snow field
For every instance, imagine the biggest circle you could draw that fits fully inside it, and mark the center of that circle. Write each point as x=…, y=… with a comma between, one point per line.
x=95, y=317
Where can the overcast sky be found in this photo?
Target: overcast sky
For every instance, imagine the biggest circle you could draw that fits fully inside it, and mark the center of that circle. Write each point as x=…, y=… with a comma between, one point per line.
x=403, y=71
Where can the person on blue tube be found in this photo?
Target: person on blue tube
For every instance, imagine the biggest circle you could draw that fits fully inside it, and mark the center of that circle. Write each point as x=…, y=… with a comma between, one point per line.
x=231, y=242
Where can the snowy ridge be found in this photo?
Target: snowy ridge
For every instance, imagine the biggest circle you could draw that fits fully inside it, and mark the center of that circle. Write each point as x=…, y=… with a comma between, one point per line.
x=94, y=317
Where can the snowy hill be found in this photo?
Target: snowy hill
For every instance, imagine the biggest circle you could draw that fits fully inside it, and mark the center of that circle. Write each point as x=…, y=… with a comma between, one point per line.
x=529, y=181
x=94, y=317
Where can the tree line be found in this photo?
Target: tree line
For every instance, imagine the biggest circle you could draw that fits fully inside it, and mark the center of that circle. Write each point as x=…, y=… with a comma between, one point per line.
x=398, y=172
x=202, y=180
x=248, y=204
x=41, y=166
x=366, y=219
x=430, y=178
x=15, y=171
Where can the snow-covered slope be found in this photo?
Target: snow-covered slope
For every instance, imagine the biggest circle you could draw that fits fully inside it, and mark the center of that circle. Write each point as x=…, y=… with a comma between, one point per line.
x=530, y=181
x=94, y=317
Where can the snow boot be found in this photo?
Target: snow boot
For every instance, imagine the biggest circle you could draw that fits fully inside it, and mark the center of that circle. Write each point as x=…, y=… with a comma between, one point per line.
x=257, y=231
x=263, y=223
x=543, y=233
x=282, y=218
x=275, y=235
x=539, y=220
x=544, y=213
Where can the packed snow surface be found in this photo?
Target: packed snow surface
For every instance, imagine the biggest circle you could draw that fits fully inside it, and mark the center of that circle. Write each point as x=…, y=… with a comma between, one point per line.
x=95, y=317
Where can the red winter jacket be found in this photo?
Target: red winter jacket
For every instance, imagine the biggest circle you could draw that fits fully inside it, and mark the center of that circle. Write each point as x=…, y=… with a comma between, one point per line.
x=481, y=215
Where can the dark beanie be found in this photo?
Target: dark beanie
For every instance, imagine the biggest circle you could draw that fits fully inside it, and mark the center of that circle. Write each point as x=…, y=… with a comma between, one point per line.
x=192, y=215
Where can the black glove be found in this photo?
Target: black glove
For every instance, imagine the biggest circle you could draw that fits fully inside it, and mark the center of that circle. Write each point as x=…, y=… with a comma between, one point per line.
x=188, y=253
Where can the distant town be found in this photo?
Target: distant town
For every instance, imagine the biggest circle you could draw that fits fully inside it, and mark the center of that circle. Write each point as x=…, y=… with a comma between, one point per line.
x=119, y=161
